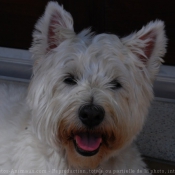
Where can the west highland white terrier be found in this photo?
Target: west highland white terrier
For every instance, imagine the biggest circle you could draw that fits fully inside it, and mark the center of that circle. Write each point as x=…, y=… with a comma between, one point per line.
x=86, y=103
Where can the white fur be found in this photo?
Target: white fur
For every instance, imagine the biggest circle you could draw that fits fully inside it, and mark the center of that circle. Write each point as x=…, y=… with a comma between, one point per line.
x=29, y=120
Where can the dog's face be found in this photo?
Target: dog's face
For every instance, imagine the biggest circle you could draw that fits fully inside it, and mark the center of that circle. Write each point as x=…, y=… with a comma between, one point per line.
x=89, y=94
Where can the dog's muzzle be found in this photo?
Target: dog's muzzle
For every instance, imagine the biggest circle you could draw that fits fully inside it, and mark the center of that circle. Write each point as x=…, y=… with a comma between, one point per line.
x=88, y=143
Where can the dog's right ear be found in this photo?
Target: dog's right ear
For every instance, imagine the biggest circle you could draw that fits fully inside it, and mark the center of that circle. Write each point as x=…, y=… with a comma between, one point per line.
x=55, y=26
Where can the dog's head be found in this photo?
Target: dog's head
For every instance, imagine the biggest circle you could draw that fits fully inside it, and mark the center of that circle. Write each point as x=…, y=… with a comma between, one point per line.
x=90, y=94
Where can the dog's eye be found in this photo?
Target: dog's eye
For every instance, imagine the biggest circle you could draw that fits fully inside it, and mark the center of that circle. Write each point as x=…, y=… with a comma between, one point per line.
x=70, y=80
x=115, y=85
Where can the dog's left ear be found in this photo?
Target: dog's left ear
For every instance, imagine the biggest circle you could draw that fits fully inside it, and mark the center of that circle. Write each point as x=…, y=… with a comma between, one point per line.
x=149, y=45
x=55, y=26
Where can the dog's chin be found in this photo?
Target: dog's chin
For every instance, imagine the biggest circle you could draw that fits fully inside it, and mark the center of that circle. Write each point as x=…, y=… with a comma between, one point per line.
x=86, y=149
x=87, y=144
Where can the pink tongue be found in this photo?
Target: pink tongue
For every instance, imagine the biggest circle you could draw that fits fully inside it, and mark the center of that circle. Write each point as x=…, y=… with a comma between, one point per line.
x=88, y=142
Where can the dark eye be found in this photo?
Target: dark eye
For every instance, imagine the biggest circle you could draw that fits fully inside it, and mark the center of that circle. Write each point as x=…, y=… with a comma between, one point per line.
x=115, y=85
x=70, y=80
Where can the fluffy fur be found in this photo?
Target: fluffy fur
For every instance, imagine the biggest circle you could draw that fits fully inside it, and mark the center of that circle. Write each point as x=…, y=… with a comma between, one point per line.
x=38, y=126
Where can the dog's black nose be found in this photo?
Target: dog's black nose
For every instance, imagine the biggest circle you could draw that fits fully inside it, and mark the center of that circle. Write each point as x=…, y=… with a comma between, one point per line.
x=91, y=115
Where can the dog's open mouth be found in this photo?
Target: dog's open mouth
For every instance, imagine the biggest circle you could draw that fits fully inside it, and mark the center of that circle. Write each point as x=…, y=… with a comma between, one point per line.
x=87, y=144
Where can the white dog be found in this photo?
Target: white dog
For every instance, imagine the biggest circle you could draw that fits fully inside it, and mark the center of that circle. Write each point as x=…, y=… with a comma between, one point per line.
x=86, y=103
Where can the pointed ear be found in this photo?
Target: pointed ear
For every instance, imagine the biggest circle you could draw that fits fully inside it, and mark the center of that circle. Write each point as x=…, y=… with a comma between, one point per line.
x=55, y=26
x=148, y=44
